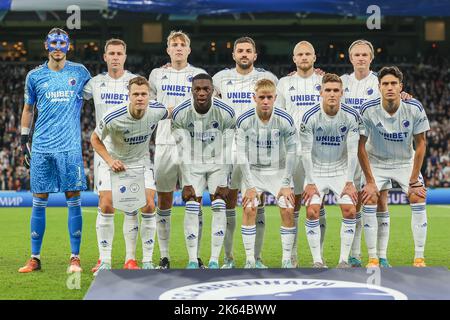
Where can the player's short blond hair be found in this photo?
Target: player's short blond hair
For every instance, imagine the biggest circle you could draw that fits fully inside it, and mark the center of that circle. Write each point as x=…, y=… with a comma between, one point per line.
x=115, y=42
x=364, y=42
x=331, y=77
x=304, y=42
x=178, y=35
x=266, y=85
x=139, y=80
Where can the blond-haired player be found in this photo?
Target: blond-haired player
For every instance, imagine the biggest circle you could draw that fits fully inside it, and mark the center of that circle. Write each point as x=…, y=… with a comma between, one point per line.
x=266, y=141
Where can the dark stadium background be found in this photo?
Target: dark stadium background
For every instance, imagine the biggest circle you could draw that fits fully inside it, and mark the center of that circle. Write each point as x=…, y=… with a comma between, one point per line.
x=405, y=41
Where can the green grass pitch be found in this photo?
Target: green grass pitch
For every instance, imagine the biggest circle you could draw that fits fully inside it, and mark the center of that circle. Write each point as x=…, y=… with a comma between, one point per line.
x=50, y=282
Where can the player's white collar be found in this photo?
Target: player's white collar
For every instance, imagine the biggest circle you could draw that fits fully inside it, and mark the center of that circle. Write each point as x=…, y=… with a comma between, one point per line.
x=118, y=79
x=363, y=79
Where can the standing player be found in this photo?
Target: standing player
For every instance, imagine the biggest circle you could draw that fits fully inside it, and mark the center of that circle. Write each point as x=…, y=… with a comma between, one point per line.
x=391, y=127
x=204, y=127
x=297, y=94
x=170, y=86
x=236, y=87
x=108, y=90
x=56, y=161
x=129, y=129
x=360, y=86
x=329, y=135
x=267, y=136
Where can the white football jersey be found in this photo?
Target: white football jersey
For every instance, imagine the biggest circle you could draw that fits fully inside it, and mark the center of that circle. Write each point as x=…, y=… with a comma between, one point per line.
x=266, y=144
x=356, y=92
x=390, y=138
x=205, y=143
x=170, y=87
x=130, y=137
x=108, y=93
x=297, y=95
x=237, y=90
x=326, y=138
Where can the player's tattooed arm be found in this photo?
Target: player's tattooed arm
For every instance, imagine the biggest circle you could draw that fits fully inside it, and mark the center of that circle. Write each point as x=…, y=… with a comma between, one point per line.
x=370, y=190
x=415, y=185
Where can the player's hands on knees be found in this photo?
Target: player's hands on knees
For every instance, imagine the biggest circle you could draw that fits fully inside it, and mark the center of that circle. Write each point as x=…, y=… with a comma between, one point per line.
x=310, y=191
x=350, y=190
x=188, y=193
x=221, y=193
x=417, y=188
x=287, y=193
x=249, y=199
x=370, y=190
x=116, y=165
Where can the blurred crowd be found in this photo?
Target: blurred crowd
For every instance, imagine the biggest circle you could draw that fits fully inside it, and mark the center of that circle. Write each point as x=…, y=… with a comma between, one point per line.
x=428, y=81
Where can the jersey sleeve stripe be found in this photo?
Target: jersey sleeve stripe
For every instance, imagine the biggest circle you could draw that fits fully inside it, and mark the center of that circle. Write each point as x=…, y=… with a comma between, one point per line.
x=180, y=107
x=307, y=115
x=414, y=103
x=115, y=116
x=285, y=115
x=369, y=104
x=244, y=116
x=351, y=111
x=115, y=112
x=224, y=107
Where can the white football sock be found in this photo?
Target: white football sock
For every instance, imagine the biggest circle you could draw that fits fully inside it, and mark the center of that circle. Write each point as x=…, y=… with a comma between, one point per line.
x=248, y=237
x=163, y=230
x=287, y=241
x=347, y=235
x=231, y=227
x=260, y=229
x=218, y=228
x=130, y=233
x=148, y=229
x=419, y=228
x=105, y=235
x=370, y=229
x=313, y=236
x=356, y=246
x=383, y=233
x=191, y=226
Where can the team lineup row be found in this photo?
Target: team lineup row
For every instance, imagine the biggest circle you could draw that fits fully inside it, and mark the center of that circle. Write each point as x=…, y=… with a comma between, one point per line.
x=298, y=131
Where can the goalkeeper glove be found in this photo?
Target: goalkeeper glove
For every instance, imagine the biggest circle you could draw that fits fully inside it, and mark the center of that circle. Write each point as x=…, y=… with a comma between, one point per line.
x=26, y=150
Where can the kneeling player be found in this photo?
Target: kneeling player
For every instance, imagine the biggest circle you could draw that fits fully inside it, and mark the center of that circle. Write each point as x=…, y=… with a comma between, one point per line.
x=329, y=135
x=267, y=144
x=391, y=126
x=129, y=128
x=204, y=129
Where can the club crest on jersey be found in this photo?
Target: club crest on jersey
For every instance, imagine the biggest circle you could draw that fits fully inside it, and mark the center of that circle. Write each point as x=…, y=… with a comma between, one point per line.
x=275, y=133
x=317, y=87
x=72, y=81
x=302, y=127
x=343, y=129
x=122, y=189
x=189, y=78
x=369, y=91
x=214, y=124
x=405, y=123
